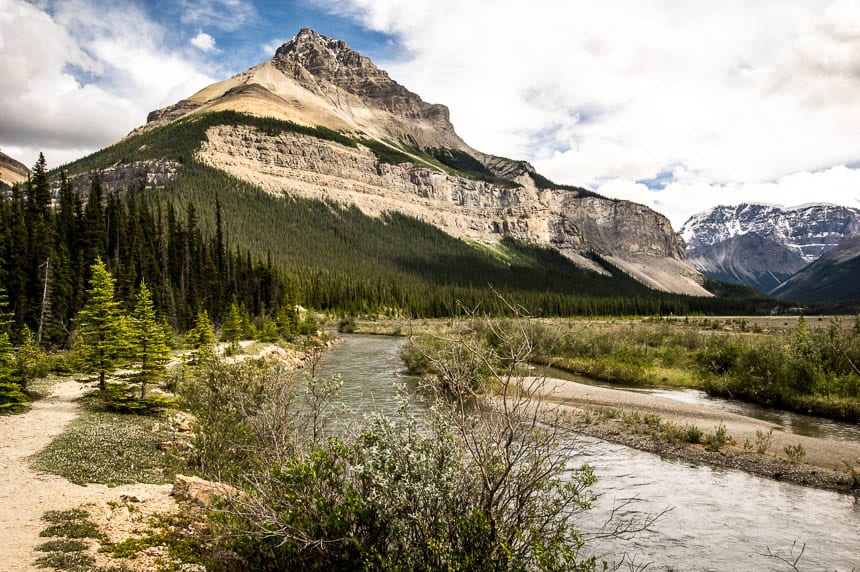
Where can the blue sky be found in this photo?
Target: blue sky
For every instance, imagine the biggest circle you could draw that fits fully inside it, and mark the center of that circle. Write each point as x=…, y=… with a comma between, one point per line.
x=677, y=105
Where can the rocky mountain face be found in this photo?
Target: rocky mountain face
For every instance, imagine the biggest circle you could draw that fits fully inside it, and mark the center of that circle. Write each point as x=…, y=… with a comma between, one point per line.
x=747, y=259
x=833, y=277
x=762, y=245
x=12, y=171
x=317, y=81
x=810, y=230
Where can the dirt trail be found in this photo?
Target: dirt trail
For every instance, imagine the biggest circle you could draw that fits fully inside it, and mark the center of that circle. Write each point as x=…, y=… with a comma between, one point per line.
x=26, y=494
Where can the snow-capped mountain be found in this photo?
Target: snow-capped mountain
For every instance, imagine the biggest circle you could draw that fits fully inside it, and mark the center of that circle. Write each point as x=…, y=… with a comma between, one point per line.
x=762, y=245
x=810, y=230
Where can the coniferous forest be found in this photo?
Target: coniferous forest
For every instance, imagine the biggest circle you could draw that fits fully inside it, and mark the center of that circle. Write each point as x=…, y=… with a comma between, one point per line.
x=206, y=238
x=47, y=252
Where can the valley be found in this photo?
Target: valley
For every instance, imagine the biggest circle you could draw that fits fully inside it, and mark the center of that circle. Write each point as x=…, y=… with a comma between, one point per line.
x=350, y=340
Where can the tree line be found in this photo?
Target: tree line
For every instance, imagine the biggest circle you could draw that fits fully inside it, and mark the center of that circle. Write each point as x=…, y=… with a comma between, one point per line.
x=48, y=248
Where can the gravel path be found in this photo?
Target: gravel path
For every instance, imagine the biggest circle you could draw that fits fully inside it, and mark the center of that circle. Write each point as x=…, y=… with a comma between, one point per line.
x=824, y=453
x=26, y=494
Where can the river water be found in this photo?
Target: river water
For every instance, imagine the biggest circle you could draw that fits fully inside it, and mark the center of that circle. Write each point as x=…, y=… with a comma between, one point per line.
x=719, y=519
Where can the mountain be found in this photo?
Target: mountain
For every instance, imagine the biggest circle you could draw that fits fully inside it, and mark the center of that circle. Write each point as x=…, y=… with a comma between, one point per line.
x=320, y=122
x=12, y=171
x=810, y=230
x=747, y=259
x=408, y=158
x=833, y=277
x=761, y=245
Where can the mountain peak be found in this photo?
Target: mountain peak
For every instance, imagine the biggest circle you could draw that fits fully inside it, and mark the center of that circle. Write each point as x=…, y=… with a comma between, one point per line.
x=316, y=52
x=319, y=62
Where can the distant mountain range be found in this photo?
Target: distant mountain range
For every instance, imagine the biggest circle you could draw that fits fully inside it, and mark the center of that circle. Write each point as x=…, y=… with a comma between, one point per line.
x=776, y=249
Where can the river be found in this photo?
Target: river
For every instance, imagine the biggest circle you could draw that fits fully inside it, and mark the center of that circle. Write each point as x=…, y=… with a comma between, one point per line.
x=719, y=519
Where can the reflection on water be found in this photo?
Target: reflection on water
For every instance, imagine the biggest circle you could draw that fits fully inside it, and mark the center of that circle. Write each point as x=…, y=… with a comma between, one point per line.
x=789, y=422
x=720, y=519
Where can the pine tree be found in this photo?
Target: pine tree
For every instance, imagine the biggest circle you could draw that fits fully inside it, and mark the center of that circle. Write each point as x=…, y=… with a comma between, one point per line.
x=27, y=358
x=150, y=345
x=232, y=328
x=5, y=315
x=201, y=336
x=11, y=394
x=104, y=339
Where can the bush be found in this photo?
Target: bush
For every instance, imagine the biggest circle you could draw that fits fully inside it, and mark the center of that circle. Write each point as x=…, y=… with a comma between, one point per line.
x=122, y=398
x=795, y=453
x=718, y=439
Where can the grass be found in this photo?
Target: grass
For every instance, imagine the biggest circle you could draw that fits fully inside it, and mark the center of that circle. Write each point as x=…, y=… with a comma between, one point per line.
x=808, y=369
x=62, y=545
x=68, y=552
x=111, y=449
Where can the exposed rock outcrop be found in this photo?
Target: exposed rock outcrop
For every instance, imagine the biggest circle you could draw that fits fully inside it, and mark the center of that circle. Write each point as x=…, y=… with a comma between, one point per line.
x=810, y=230
x=633, y=236
x=138, y=175
x=12, y=171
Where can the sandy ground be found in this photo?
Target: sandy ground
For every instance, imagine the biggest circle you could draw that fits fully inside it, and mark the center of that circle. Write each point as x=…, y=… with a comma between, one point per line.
x=828, y=454
x=26, y=494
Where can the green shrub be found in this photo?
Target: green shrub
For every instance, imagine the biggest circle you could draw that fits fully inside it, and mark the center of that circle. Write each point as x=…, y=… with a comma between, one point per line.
x=718, y=439
x=795, y=453
x=122, y=398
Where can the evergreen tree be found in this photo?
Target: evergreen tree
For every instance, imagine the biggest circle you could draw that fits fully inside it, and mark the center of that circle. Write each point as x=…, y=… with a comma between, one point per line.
x=201, y=336
x=11, y=394
x=233, y=325
x=5, y=315
x=150, y=345
x=104, y=339
x=27, y=358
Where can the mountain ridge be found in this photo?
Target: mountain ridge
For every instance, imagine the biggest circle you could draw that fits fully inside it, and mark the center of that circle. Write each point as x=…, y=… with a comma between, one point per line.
x=835, y=276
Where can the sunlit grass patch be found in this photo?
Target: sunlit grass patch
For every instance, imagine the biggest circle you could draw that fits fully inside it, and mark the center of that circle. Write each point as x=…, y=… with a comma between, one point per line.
x=62, y=545
x=109, y=448
x=70, y=524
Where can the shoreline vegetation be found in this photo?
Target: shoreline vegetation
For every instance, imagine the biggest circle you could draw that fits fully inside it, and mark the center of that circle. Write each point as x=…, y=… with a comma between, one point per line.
x=230, y=428
x=805, y=365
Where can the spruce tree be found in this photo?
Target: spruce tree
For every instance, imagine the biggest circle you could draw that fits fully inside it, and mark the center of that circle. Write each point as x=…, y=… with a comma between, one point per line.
x=27, y=358
x=150, y=345
x=232, y=328
x=201, y=336
x=5, y=315
x=11, y=394
x=104, y=339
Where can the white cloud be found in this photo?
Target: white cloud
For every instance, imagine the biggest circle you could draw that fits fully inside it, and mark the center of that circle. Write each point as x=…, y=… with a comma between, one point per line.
x=222, y=14
x=738, y=97
x=203, y=42
x=82, y=77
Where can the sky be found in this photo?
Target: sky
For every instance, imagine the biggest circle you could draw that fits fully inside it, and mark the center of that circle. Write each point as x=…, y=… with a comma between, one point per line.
x=675, y=104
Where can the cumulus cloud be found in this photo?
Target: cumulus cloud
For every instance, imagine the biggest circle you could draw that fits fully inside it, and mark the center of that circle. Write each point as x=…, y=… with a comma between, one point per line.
x=731, y=101
x=203, y=42
x=82, y=77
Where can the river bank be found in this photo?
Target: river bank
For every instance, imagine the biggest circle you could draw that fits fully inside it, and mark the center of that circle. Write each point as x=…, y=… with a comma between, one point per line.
x=648, y=422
